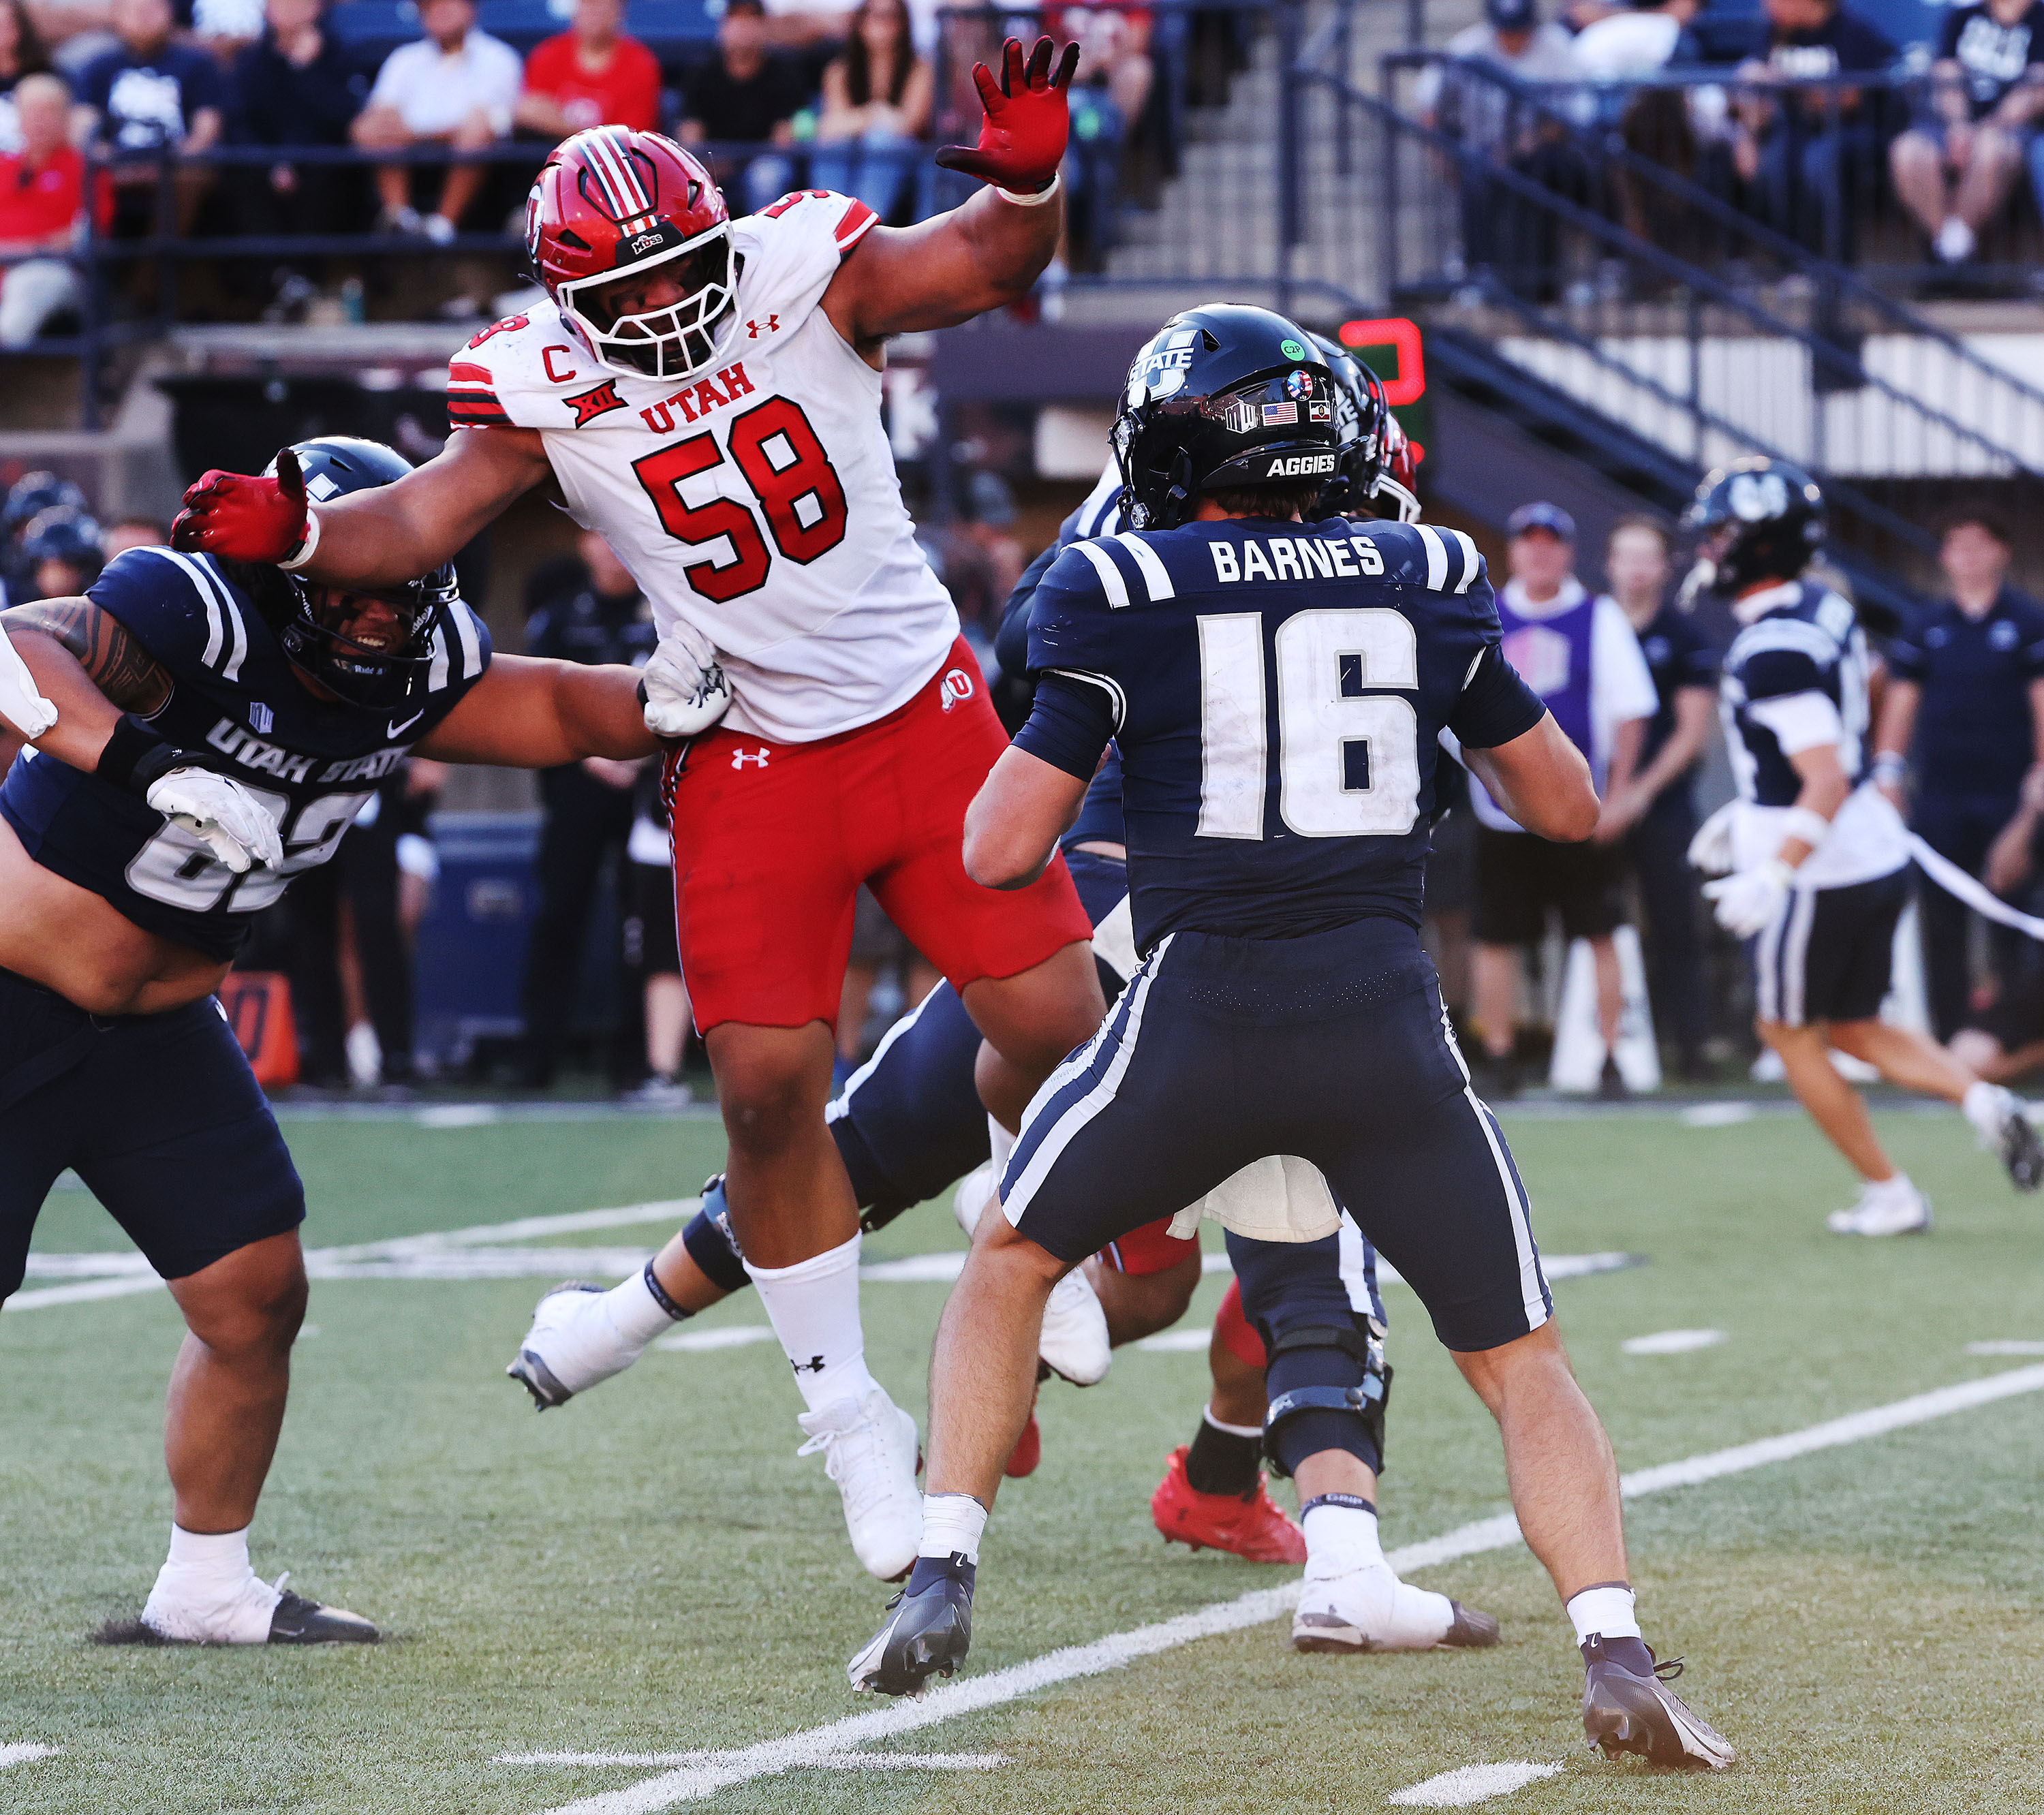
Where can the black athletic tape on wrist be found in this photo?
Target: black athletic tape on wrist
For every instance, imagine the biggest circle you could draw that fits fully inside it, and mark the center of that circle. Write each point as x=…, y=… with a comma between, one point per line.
x=660, y=1295
x=136, y=756
x=1354, y=1502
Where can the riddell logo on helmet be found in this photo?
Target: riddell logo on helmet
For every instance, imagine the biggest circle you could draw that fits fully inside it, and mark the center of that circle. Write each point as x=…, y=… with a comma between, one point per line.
x=1299, y=466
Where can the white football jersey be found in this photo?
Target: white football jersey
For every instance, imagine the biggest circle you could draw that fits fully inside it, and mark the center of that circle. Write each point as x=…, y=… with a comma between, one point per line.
x=759, y=501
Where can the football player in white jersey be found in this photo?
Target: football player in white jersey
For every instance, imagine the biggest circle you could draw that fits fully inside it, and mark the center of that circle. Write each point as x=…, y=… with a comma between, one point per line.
x=1818, y=856
x=706, y=393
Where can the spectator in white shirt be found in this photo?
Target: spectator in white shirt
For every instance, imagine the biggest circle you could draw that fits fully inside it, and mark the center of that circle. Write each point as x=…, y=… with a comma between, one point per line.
x=455, y=86
x=1629, y=46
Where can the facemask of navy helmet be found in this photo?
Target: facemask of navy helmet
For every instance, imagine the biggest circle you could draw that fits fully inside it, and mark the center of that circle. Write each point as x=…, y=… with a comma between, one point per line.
x=373, y=650
x=1224, y=396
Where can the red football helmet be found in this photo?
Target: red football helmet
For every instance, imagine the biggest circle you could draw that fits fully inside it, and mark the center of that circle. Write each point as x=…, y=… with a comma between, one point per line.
x=611, y=207
x=1398, y=480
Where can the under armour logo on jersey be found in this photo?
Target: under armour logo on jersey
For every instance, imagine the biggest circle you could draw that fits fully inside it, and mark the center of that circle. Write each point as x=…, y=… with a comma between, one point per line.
x=260, y=718
x=956, y=688
x=813, y=1365
x=771, y=326
x=741, y=756
x=592, y=404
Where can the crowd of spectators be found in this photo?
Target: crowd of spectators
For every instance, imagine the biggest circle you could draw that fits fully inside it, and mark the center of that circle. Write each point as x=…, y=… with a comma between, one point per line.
x=789, y=93
x=1762, y=111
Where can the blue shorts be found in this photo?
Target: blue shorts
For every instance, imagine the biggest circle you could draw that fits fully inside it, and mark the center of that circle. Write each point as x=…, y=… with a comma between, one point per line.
x=1334, y=1047
x=159, y=1115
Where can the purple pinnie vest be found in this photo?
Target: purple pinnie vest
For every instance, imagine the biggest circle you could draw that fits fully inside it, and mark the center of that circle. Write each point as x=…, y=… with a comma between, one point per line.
x=1553, y=657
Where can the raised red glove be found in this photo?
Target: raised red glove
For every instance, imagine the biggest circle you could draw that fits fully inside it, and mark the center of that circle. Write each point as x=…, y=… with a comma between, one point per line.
x=1022, y=140
x=241, y=517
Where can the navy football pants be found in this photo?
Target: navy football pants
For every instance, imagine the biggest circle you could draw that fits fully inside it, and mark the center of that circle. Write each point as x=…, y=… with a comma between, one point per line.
x=159, y=1115
x=1333, y=1047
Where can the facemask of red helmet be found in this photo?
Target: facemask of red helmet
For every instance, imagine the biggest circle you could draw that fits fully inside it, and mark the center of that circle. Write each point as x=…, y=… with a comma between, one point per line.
x=632, y=241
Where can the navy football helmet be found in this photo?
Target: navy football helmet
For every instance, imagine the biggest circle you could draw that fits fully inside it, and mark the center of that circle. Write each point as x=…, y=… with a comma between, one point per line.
x=63, y=532
x=32, y=494
x=1757, y=519
x=378, y=680
x=1224, y=396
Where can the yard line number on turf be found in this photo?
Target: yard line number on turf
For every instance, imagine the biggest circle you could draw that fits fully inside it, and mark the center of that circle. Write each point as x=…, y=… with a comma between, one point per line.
x=701, y=1775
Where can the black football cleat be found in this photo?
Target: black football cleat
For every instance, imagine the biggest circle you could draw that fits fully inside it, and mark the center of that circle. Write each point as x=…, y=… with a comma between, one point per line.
x=927, y=1634
x=298, y=1622
x=1625, y=1712
x=2022, y=1151
x=1472, y=1627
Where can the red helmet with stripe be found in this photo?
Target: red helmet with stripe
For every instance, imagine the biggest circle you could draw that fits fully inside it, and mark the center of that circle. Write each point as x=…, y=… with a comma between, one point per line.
x=632, y=240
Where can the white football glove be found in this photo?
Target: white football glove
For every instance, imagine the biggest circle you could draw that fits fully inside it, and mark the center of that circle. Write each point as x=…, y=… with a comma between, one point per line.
x=220, y=810
x=682, y=687
x=1748, y=899
x=1710, y=851
x=20, y=704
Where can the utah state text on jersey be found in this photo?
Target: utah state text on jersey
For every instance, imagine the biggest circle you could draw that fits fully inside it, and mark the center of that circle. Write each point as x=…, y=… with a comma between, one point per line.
x=235, y=698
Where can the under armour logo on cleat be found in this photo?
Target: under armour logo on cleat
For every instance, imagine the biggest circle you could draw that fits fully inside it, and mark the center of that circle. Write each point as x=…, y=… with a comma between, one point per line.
x=771, y=326
x=813, y=1365
x=740, y=757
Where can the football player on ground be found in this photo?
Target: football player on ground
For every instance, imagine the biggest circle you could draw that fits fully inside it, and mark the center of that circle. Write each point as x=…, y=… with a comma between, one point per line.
x=707, y=394
x=1819, y=857
x=1276, y=691
x=216, y=731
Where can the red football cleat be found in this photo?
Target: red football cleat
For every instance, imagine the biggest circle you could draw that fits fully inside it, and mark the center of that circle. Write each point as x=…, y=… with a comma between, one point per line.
x=1028, y=1451
x=1255, y=1530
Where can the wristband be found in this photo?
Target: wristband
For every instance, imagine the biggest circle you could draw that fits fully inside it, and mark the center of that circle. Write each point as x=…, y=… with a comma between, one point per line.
x=1036, y=201
x=1806, y=824
x=134, y=756
x=1891, y=766
x=1354, y=1502
x=306, y=548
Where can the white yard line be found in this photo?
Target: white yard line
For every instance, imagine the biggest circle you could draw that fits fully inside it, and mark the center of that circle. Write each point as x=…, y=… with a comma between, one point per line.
x=25, y=1751
x=832, y=1761
x=2005, y=1347
x=1672, y=1342
x=703, y=1777
x=1472, y=1783
x=732, y=1336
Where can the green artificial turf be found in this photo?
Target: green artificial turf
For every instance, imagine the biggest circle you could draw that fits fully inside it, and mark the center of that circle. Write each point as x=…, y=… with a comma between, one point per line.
x=651, y=1568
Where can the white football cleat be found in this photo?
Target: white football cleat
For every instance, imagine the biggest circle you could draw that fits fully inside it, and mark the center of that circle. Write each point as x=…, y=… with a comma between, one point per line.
x=869, y=1450
x=1371, y=1609
x=1880, y=1213
x=975, y=1191
x=253, y=1613
x=572, y=1345
x=1074, y=1344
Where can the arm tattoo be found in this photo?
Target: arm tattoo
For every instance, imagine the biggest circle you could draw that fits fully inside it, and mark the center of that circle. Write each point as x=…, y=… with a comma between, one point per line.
x=119, y=666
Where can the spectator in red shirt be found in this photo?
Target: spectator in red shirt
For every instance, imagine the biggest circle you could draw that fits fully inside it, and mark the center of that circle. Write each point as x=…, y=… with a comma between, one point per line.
x=42, y=200
x=591, y=74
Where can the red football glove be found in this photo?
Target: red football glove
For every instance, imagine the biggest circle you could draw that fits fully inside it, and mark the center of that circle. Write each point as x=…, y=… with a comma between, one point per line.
x=240, y=517
x=1022, y=140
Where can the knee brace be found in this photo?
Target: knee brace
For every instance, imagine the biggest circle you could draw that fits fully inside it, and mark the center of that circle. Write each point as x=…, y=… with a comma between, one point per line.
x=711, y=1244
x=1329, y=1385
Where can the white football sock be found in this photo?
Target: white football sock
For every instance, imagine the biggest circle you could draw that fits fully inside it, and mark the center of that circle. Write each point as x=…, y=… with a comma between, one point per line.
x=813, y=1307
x=1986, y=1107
x=207, y=1591
x=1339, y=1539
x=635, y=1314
x=952, y=1524
x=1605, y=1610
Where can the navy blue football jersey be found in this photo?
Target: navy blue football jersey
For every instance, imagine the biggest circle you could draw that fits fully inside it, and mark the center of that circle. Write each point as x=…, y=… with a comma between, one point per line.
x=235, y=698
x=1278, y=690
x=1806, y=642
